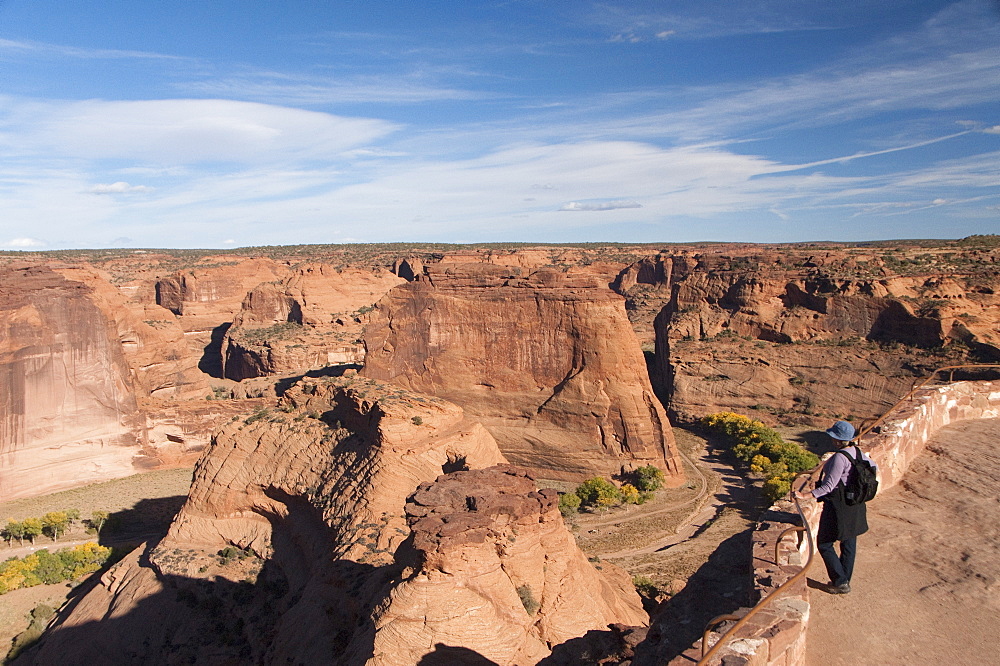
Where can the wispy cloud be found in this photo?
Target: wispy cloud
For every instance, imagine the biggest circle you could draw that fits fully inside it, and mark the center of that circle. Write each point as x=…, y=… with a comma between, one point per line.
x=316, y=91
x=183, y=131
x=77, y=53
x=119, y=187
x=600, y=205
x=23, y=243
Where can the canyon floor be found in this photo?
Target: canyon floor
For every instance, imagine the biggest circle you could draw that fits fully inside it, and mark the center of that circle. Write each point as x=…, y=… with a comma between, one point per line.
x=928, y=571
x=143, y=504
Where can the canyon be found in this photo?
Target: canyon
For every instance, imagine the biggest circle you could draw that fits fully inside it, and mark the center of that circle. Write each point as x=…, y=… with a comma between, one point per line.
x=375, y=427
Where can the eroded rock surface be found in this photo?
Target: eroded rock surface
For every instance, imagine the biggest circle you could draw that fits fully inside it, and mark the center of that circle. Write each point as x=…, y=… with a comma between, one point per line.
x=546, y=360
x=311, y=320
x=67, y=407
x=494, y=569
x=810, y=334
x=328, y=562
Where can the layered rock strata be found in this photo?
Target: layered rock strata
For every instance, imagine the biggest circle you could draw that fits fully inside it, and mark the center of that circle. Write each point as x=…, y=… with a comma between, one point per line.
x=66, y=409
x=311, y=320
x=813, y=336
x=547, y=361
x=494, y=570
x=294, y=547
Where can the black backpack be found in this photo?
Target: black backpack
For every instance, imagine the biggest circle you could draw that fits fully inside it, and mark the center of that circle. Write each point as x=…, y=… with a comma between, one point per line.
x=862, y=484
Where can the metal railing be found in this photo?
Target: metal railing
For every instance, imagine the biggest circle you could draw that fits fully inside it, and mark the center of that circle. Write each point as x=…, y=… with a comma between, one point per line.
x=766, y=601
x=706, y=655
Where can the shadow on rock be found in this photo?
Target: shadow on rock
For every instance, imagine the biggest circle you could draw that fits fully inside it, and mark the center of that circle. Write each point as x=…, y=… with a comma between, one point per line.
x=722, y=585
x=447, y=655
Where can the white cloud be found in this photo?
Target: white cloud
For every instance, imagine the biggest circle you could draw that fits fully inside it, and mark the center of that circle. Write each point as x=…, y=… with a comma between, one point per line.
x=184, y=131
x=600, y=205
x=120, y=187
x=993, y=130
x=24, y=242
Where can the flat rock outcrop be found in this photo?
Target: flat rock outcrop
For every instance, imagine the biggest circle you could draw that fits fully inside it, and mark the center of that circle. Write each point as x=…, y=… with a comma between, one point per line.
x=298, y=545
x=546, y=360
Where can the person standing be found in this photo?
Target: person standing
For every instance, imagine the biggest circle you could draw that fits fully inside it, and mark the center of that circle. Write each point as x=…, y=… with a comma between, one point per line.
x=839, y=522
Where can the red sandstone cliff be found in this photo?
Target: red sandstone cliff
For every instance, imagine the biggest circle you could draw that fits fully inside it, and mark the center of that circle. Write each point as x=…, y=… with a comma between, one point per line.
x=68, y=409
x=546, y=360
x=809, y=335
x=309, y=321
x=331, y=567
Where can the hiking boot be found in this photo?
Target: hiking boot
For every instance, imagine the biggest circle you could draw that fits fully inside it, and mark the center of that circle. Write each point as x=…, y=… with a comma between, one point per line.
x=840, y=589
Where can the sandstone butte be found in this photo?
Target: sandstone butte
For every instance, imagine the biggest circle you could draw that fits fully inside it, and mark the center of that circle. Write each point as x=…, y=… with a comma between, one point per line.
x=546, y=360
x=335, y=564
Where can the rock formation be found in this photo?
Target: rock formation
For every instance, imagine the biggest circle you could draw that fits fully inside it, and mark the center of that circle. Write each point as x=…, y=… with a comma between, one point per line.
x=812, y=334
x=546, y=360
x=311, y=320
x=91, y=383
x=493, y=569
x=294, y=547
x=67, y=409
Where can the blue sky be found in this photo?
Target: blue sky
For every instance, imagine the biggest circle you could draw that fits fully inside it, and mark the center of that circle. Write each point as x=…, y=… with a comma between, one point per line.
x=226, y=124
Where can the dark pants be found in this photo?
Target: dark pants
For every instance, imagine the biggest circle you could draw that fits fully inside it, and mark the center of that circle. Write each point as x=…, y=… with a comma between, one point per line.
x=839, y=567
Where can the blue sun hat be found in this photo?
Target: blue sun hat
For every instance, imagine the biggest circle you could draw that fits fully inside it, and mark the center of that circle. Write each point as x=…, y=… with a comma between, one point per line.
x=841, y=430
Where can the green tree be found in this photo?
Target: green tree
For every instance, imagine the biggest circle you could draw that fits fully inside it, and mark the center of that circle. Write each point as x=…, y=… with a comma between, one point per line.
x=32, y=528
x=98, y=518
x=649, y=477
x=73, y=515
x=55, y=523
x=14, y=530
x=49, y=568
x=569, y=503
x=599, y=492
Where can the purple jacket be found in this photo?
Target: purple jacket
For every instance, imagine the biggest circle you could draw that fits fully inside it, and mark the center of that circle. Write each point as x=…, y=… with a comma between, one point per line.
x=835, y=471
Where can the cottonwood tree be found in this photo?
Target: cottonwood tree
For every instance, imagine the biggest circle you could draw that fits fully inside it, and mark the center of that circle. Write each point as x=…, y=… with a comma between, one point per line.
x=14, y=530
x=55, y=523
x=32, y=528
x=97, y=519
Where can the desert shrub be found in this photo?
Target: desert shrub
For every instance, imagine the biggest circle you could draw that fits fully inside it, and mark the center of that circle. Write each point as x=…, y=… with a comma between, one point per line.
x=40, y=616
x=762, y=447
x=648, y=477
x=569, y=503
x=229, y=553
x=645, y=586
x=417, y=420
x=528, y=600
x=598, y=492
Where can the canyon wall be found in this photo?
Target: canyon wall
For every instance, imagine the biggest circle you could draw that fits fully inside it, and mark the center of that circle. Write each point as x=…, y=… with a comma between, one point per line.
x=365, y=524
x=68, y=409
x=546, y=360
x=805, y=337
